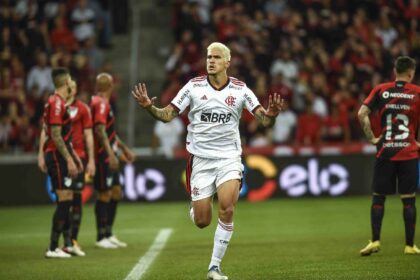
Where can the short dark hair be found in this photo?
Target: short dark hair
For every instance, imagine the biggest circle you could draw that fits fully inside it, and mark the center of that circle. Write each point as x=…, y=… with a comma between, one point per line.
x=404, y=64
x=59, y=76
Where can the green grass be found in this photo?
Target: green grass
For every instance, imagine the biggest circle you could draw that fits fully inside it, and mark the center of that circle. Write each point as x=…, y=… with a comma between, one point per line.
x=279, y=239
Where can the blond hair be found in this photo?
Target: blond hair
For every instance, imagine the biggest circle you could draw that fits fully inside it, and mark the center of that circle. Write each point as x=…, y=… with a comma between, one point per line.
x=222, y=47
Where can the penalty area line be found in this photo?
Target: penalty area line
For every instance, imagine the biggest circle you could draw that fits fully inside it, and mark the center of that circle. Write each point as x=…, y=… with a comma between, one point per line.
x=146, y=261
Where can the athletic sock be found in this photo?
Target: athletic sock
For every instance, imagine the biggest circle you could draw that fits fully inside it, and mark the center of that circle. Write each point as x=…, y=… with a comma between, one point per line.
x=101, y=218
x=76, y=215
x=222, y=237
x=376, y=215
x=59, y=219
x=112, y=211
x=67, y=232
x=409, y=214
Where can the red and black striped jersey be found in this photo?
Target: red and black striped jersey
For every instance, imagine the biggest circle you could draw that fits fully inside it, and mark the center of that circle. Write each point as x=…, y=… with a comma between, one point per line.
x=81, y=119
x=102, y=114
x=398, y=107
x=55, y=113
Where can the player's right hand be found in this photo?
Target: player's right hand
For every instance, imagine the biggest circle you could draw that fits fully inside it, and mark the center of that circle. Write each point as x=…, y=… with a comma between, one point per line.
x=91, y=168
x=140, y=94
x=41, y=163
x=72, y=168
x=114, y=164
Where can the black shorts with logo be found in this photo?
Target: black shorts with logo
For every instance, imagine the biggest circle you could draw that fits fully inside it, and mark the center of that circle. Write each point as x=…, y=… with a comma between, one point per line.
x=105, y=178
x=57, y=170
x=389, y=174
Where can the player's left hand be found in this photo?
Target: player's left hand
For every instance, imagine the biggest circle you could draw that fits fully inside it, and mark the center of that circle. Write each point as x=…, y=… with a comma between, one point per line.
x=91, y=168
x=275, y=105
x=79, y=163
x=129, y=155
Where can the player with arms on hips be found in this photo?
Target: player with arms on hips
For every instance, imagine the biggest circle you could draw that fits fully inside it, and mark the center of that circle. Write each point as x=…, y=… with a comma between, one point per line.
x=106, y=180
x=216, y=102
x=398, y=105
x=61, y=162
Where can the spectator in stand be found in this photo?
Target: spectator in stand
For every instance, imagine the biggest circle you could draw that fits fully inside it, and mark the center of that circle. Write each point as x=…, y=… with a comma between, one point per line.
x=284, y=128
x=83, y=18
x=168, y=136
x=309, y=126
x=40, y=76
x=336, y=126
x=62, y=37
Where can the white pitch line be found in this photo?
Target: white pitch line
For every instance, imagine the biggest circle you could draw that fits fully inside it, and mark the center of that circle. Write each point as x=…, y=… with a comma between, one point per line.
x=144, y=262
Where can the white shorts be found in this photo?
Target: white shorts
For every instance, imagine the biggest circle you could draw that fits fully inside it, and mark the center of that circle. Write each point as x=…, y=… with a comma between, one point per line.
x=205, y=175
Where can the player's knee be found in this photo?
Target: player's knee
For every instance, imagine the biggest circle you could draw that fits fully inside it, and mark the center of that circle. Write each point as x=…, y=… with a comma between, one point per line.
x=201, y=223
x=226, y=212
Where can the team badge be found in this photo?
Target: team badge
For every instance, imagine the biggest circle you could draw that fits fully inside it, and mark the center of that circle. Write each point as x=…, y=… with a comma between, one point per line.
x=67, y=181
x=230, y=101
x=73, y=111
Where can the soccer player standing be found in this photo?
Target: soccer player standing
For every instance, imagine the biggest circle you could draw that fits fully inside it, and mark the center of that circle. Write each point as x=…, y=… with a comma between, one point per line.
x=398, y=105
x=82, y=140
x=61, y=162
x=106, y=180
x=216, y=102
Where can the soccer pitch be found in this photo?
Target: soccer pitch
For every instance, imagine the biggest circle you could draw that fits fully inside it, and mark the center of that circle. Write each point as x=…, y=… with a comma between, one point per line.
x=279, y=239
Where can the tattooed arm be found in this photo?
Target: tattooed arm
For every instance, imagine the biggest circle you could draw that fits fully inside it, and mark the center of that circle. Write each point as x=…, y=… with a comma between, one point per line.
x=62, y=149
x=263, y=119
x=104, y=141
x=363, y=116
x=268, y=117
x=128, y=154
x=163, y=114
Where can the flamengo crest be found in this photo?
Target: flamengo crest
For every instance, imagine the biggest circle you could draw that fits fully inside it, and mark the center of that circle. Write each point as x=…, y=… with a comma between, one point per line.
x=230, y=101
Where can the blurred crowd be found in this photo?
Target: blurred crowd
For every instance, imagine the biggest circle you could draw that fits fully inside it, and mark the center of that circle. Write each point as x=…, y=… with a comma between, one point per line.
x=322, y=56
x=36, y=36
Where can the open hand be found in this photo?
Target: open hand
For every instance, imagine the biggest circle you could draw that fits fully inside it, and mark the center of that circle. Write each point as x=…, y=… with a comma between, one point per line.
x=275, y=105
x=140, y=94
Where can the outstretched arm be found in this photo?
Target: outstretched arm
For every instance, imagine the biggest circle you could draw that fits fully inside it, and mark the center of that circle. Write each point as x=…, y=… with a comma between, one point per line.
x=363, y=116
x=163, y=114
x=267, y=117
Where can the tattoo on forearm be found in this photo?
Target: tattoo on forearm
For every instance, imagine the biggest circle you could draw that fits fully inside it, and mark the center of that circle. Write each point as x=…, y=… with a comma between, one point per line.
x=164, y=114
x=365, y=124
x=263, y=119
x=59, y=141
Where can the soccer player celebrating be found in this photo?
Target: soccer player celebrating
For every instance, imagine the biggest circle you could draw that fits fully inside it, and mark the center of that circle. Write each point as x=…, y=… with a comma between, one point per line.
x=106, y=179
x=216, y=102
x=61, y=162
x=398, y=105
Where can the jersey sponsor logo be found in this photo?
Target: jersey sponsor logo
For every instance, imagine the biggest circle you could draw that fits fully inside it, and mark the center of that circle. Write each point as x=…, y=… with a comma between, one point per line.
x=396, y=145
x=183, y=96
x=73, y=111
x=204, y=97
x=387, y=94
x=215, y=117
x=234, y=87
x=230, y=101
x=199, y=85
x=249, y=100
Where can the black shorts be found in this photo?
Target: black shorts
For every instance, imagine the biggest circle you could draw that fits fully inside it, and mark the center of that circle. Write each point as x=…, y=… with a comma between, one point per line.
x=79, y=181
x=387, y=173
x=57, y=170
x=104, y=178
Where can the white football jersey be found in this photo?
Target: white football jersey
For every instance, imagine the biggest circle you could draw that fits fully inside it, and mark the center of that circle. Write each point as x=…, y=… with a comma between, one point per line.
x=214, y=116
